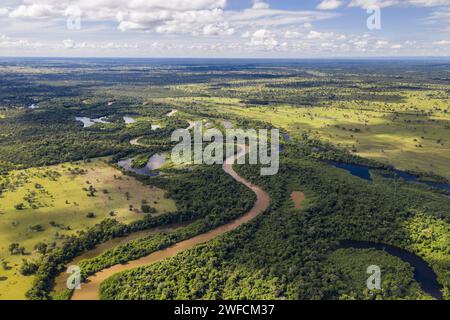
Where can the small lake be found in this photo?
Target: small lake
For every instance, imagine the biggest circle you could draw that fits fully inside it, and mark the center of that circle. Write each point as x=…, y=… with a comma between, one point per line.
x=154, y=163
x=128, y=120
x=363, y=172
x=423, y=273
x=356, y=170
x=88, y=122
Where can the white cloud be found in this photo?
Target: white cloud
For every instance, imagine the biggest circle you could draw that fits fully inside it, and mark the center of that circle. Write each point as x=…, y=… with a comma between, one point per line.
x=381, y=44
x=263, y=38
x=183, y=27
x=4, y=12
x=195, y=17
x=313, y=35
x=404, y=3
x=260, y=4
x=442, y=43
x=33, y=11
x=8, y=43
x=69, y=44
x=292, y=34
x=329, y=4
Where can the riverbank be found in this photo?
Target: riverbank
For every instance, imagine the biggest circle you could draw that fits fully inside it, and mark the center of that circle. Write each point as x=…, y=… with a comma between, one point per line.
x=90, y=289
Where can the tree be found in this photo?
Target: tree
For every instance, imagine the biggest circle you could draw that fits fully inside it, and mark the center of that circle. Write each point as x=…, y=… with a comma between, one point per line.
x=41, y=247
x=147, y=209
x=15, y=249
x=90, y=215
x=19, y=206
x=28, y=268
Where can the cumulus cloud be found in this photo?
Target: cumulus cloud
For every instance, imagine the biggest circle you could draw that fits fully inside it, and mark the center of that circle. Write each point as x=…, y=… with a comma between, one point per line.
x=442, y=43
x=8, y=43
x=68, y=43
x=329, y=4
x=108, y=45
x=196, y=17
x=264, y=39
x=260, y=4
x=405, y=3
x=188, y=26
x=33, y=11
x=4, y=12
x=174, y=16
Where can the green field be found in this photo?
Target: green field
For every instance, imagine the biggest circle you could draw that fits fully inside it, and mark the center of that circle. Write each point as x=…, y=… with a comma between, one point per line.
x=410, y=135
x=58, y=204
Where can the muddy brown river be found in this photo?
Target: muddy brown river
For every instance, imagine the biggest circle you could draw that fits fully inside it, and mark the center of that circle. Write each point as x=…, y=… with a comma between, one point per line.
x=90, y=289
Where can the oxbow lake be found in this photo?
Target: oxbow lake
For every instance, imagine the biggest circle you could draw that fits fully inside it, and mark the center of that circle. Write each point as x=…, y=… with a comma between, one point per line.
x=88, y=122
x=154, y=163
x=363, y=172
x=423, y=273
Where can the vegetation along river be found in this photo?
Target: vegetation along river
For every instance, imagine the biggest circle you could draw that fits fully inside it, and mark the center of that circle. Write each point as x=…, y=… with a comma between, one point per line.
x=90, y=289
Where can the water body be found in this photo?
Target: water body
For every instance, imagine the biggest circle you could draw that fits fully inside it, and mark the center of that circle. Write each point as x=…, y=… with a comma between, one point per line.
x=61, y=279
x=89, y=290
x=356, y=170
x=363, y=172
x=128, y=120
x=423, y=273
x=154, y=163
x=88, y=122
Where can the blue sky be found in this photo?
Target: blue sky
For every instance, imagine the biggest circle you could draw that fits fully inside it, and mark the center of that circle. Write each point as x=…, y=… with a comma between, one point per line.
x=224, y=28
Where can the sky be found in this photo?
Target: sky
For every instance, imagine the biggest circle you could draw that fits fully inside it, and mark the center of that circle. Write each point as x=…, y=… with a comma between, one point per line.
x=225, y=28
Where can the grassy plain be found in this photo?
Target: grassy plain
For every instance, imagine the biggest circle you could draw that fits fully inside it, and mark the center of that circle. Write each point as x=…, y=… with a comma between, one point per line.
x=60, y=197
x=412, y=134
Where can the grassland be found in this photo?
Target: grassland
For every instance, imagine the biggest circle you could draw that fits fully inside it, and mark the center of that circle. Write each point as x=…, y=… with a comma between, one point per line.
x=410, y=134
x=61, y=201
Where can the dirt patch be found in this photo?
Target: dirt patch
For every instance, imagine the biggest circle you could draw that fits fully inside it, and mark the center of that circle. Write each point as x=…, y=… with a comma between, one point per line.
x=297, y=197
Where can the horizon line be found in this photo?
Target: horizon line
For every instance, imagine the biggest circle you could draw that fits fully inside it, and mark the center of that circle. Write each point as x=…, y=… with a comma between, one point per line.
x=234, y=58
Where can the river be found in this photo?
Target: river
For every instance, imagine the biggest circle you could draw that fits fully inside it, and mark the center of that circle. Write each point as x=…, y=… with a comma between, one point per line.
x=423, y=273
x=90, y=289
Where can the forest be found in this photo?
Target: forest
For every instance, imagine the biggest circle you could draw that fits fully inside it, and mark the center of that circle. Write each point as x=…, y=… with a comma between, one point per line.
x=67, y=124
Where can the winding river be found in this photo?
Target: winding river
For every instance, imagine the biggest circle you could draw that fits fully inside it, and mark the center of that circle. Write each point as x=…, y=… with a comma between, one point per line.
x=423, y=273
x=90, y=289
